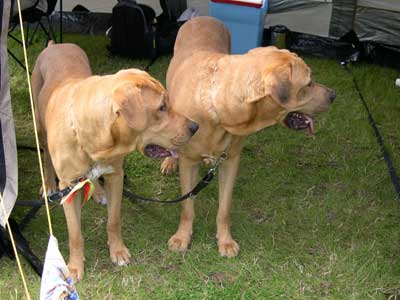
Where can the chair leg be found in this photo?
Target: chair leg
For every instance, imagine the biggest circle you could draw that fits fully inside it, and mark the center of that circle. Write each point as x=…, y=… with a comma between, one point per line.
x=22, y=246
x=21, y=243
x=14, y=38
x=51, y=34
x=33, y=34
x=27, y=35
x=16, y=59
x=30, y=215
x=47, y=31
x=43, y=27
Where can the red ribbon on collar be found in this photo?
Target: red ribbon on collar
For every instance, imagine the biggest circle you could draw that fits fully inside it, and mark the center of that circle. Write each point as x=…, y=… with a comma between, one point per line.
x=88, y=189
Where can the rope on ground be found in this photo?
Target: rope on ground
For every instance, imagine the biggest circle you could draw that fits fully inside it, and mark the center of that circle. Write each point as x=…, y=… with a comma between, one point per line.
x=389, y=163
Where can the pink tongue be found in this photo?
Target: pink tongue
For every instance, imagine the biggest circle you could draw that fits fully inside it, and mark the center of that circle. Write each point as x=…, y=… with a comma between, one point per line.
x=310, y=124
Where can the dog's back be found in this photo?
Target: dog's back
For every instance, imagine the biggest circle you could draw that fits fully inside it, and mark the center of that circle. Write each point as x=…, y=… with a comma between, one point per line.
x=197, y=41
x=59, y=62
x=202, y=34
x=55, y=65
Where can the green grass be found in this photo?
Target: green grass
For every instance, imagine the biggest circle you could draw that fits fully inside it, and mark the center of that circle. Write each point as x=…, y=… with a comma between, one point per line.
x=315, y=218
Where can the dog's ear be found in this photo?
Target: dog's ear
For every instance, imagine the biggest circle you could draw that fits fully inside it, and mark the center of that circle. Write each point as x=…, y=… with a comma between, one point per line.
x=275, y=82
x=128, y=102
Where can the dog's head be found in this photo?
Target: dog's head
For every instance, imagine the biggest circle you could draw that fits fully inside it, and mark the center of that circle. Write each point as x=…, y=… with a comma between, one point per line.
x=273, y=86
x=144, y=117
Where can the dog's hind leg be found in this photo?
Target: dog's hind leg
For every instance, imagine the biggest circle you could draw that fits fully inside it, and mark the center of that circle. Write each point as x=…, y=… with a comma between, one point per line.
x=38, y=95
x=188, y=170
x=49, y=174
x=227, y=246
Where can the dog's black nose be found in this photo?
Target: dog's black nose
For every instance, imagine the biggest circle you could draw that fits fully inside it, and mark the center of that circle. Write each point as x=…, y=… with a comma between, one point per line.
x=332, y=95
x=193, y=127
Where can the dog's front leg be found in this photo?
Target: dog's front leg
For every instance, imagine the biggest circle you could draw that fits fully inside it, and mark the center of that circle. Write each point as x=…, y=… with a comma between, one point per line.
x=227, y=246
x=114, y=184
x=188, y=171
x=72, y=213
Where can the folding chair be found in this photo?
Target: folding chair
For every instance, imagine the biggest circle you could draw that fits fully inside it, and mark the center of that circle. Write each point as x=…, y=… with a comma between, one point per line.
x=39, y=15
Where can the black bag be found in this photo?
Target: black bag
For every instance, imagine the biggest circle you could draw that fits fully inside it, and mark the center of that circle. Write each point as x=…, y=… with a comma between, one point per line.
x=167, y=29
x=132, y=33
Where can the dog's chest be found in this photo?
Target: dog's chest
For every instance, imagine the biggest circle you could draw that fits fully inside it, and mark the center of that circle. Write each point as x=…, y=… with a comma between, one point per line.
x=212, y=142
x=98, y=170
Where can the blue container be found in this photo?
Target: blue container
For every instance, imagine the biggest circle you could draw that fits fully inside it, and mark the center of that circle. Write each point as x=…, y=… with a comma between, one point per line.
x=245, y=23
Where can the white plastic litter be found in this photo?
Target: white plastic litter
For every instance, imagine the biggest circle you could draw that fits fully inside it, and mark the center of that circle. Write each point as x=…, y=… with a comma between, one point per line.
x=56, y=283
x=188, y=14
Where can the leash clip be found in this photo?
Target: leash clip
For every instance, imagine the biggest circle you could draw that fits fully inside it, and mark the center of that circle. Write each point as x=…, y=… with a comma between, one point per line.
x=222, y=157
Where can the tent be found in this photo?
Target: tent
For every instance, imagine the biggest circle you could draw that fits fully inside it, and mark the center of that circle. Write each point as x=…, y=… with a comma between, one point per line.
x=8, y=153
x=373, y=20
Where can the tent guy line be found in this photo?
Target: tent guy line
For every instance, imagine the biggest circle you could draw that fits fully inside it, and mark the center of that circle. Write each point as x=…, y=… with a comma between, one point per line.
x=388, y=160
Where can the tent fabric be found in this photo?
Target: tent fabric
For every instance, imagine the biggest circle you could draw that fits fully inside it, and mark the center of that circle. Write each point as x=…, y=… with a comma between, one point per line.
x=342, y=17
x=392, y=5
x=375, y=21
x=8, y=150
x=306, y=16
x=378, y=25
x=277, y=6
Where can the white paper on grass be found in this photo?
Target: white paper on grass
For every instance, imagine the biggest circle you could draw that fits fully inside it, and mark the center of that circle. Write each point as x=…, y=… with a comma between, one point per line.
x=56, y=283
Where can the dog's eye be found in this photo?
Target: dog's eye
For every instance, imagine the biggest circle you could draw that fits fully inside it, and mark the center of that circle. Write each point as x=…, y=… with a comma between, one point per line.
x=163, y=107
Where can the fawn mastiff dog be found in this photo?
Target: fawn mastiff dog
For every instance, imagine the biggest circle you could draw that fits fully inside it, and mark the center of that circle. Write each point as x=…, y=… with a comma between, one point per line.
x=230, y=97
x=89, y=123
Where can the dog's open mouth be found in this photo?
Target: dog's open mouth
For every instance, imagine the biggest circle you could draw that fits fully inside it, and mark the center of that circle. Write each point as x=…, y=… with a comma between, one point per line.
x=155, y=151
x=299, y=121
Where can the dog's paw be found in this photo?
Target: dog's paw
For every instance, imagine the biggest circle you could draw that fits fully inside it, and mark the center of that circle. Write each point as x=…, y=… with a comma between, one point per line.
x=228, y=248
x=120, y=255
x=100, y=198
x=76, y=271
x=208, y=160
x=179, y=243
x=99, y=194
x=169, y=165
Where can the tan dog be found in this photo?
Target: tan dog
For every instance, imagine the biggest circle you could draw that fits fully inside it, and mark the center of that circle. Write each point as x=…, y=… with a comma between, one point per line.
x=231, y=96
x=89, y=123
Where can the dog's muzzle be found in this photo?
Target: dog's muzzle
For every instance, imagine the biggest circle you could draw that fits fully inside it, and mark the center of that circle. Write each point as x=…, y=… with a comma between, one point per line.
x=156, y=151
x=299, y=121
x=193, y=127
